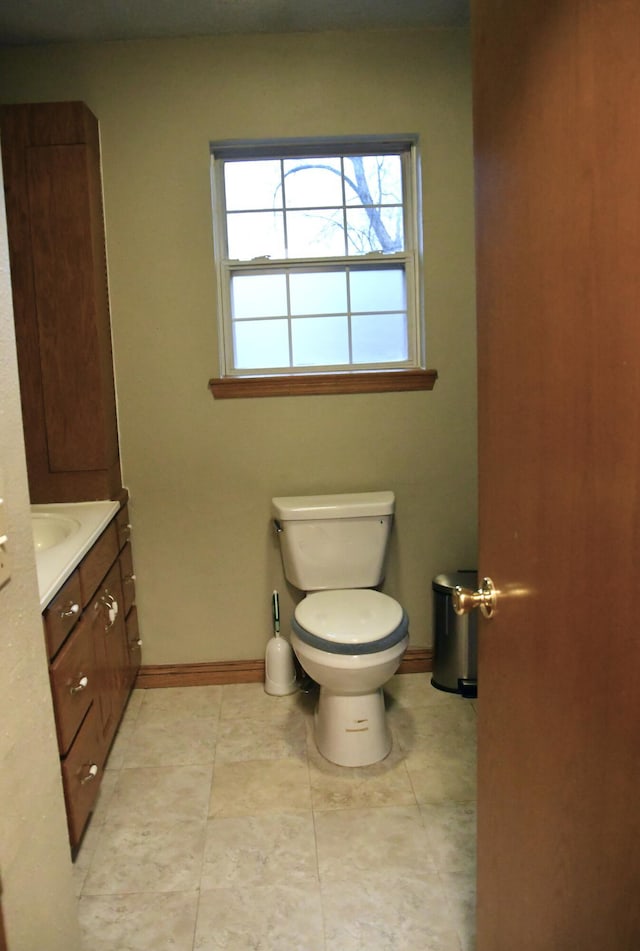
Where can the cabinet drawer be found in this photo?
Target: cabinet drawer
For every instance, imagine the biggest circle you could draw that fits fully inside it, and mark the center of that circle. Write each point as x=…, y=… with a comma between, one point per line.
x=62, y=613
x=123, y=526
x=94, y=567
x=81, y=775
x=73, y=683
x=128, y=577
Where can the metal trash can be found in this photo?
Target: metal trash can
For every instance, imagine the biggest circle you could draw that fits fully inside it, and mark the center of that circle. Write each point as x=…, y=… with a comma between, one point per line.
x=455, y=665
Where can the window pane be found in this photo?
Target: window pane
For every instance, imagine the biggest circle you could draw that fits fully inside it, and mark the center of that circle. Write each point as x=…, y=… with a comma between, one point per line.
x=381, y=289
x=320, y=341
x=255, y=235
x=258, y=295
x=313, y=183
x=315, y=234
x=379, y=338
x=374, y=229
x=319, y=293
x=252, y=185
x=373, y=179
x=260, y=343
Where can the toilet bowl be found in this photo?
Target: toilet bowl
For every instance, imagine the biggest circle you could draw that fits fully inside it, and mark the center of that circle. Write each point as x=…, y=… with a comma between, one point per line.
x=351, y=643
x=348, y=637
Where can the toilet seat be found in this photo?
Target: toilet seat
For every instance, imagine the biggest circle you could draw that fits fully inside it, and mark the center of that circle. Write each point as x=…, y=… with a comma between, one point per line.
x=350, y=621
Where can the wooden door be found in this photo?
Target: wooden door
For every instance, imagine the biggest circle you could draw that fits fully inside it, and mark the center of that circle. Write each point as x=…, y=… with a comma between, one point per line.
x=557, y=153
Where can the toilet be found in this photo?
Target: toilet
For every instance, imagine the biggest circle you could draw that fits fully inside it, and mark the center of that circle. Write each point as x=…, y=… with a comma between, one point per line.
x=347, y=636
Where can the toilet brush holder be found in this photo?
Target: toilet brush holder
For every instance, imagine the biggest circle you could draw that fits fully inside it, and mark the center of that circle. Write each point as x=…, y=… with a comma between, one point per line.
x=279, y=668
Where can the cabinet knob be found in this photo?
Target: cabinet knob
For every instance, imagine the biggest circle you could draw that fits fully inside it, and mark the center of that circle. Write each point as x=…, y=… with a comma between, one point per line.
x=128, y=579
x=135, y=645
x=91, y=774
x=72, y=609
x=82, y=684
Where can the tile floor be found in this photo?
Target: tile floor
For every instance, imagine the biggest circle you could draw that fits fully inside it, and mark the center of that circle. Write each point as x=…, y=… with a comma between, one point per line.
x=219, y=826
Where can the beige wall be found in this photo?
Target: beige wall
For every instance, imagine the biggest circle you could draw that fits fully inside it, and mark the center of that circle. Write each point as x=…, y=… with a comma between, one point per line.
x=35, y=866
x=201, y=472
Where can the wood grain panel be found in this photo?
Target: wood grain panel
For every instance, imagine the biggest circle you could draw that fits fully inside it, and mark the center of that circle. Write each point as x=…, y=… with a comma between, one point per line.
x=386, y=381
x=557, y=142
x=71, y=700
x=80, y=426
x=80, y=790
x=55, y=226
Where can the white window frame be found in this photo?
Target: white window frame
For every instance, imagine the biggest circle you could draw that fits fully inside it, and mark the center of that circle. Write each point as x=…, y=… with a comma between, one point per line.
x=409, y=259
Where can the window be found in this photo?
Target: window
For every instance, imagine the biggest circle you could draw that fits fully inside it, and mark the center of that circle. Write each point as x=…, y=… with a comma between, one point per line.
x=317, y=254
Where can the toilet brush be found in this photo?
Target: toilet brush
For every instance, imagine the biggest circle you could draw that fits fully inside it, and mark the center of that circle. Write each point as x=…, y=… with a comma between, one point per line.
x=279, y=668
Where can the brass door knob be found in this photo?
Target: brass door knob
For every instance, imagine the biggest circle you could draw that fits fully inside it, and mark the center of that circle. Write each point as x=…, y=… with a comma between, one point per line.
x=465, y=600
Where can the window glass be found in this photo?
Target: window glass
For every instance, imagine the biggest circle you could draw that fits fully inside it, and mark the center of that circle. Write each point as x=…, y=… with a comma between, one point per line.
x=315, y=182
x=251, y=186
x=261, y=343
x=320, y=341
x=378, y=290
x=258, y=295
x=255, y=234
x=379, y=338
x=321, y=292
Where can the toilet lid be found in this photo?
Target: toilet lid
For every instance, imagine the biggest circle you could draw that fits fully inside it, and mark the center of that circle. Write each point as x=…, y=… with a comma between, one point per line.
x=351, y=621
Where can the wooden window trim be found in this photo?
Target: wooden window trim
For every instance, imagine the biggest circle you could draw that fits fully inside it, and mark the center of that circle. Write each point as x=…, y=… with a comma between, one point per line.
x=320, y=384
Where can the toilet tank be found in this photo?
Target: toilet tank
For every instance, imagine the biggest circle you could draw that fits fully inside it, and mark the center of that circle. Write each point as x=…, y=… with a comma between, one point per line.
x=334, y=541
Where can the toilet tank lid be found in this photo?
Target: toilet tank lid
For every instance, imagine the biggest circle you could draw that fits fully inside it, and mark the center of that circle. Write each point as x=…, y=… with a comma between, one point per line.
x=347, y=505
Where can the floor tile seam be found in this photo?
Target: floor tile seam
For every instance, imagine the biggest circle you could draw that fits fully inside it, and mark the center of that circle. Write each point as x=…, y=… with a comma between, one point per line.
x=413, y=789
x=170, y=723
x=122, y=826
x=119, y=893
x=100, y=833
x=143, y=891
x=127, y=768
x=364, y=878
x=369, y=808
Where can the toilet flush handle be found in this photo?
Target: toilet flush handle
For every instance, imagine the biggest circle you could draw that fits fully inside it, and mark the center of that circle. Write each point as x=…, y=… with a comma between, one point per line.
x=277, y=527
x=465, y=600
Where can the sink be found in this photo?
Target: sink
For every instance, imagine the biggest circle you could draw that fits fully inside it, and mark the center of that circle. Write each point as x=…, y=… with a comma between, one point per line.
x=63, y=533
x=51, y=530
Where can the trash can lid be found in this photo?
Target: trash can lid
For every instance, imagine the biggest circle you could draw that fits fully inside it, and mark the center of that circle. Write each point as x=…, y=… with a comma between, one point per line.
x=447, y=581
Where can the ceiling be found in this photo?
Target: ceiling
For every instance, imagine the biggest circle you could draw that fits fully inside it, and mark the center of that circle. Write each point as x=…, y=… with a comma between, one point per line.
x=58, y=21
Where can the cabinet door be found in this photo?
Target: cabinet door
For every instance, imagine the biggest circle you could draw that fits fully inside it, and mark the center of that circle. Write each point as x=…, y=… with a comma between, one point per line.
x=80, y=425
x=81, y=775
x=112, y=661
x=134, y=645
x=51, y=158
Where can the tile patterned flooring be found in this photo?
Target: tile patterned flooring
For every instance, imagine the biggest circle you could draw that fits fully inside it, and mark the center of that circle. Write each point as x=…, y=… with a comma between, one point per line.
x=220, y=828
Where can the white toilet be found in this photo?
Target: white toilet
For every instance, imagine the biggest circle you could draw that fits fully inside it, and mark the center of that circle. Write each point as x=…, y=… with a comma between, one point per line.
x=348, y=638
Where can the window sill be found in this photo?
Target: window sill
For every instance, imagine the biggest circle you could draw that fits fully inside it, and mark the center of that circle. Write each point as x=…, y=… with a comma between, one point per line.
x=320, y=384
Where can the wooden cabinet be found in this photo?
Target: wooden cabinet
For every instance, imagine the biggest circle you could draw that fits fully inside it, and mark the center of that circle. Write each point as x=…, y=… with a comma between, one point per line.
x=94, y=657
x=51, y=159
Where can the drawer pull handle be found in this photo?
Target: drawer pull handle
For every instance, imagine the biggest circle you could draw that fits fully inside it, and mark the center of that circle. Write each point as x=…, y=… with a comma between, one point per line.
x=71, y=610
x=82, y=684
x=129, y=579
x=93, y=772
x=135, y=645
x=108, y=601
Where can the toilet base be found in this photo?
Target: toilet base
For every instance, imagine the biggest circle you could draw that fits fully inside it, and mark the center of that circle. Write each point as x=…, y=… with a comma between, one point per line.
x=351, y=730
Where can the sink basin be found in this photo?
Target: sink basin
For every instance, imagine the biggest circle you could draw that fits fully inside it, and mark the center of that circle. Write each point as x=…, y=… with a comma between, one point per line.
x=51, y=530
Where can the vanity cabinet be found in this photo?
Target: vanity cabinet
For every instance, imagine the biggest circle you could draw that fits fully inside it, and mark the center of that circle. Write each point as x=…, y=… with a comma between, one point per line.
x=94, y=657
x=53, y=192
